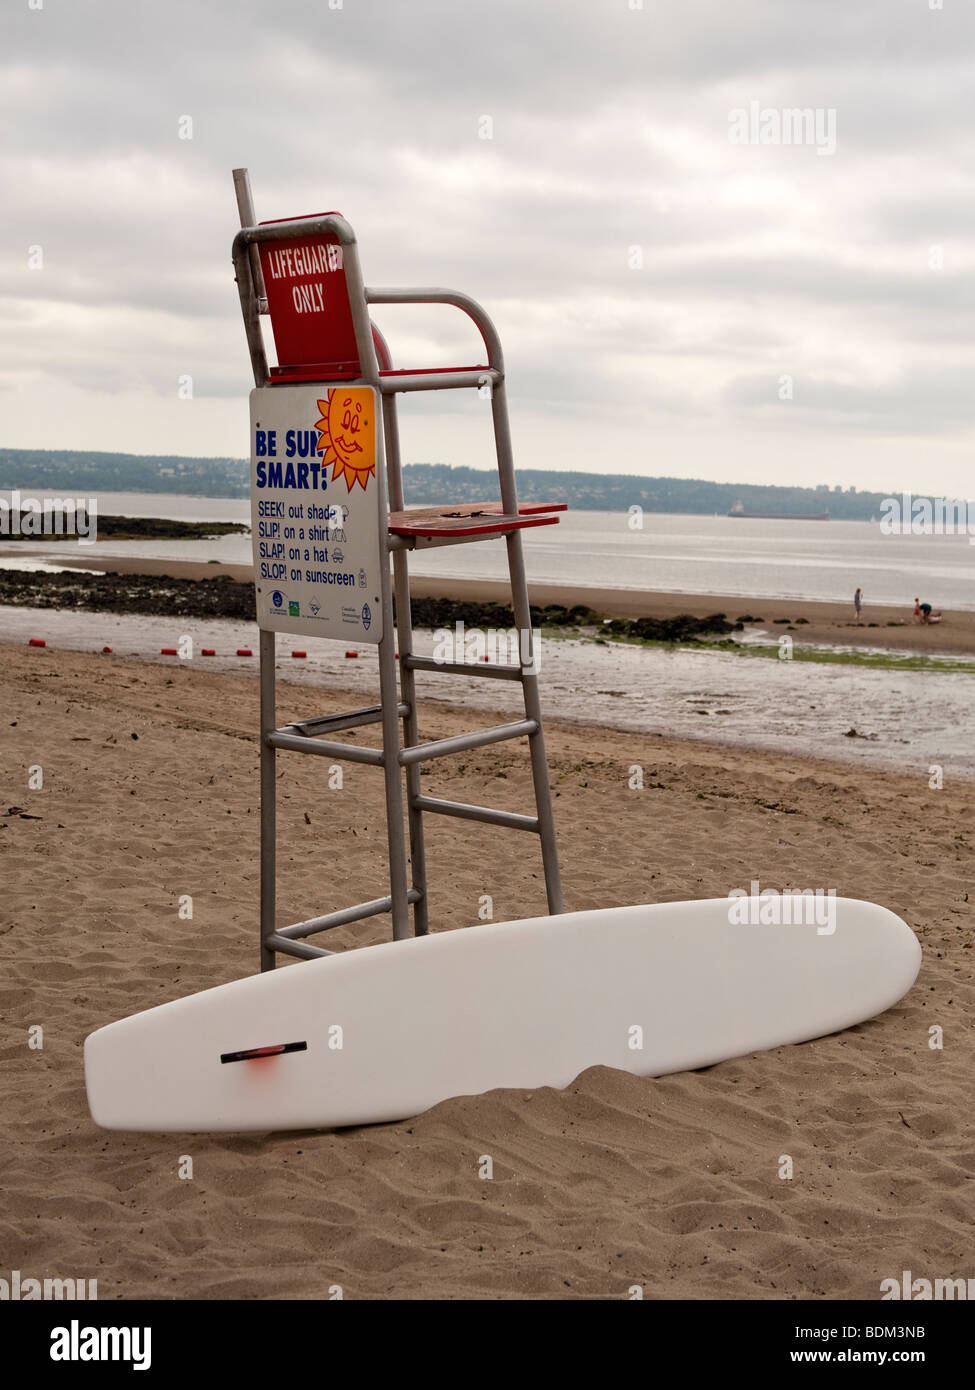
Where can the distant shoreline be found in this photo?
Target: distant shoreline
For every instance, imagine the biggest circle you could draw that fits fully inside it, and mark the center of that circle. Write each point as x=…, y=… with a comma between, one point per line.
x=128, y=528
x=433, y=484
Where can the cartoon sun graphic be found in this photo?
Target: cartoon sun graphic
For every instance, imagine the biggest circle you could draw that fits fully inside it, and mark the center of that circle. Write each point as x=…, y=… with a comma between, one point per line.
x=348, y=434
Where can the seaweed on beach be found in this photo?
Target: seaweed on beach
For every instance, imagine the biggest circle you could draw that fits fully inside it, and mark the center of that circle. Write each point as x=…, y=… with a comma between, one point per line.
x=158, y=595
x=224, y=597
x=681, y=628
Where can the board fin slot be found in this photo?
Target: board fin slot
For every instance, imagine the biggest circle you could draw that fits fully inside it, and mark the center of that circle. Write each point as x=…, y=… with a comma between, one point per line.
x=255, y=1054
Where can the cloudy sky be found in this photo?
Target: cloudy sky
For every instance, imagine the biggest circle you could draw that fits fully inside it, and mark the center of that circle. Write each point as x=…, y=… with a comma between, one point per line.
x=660, y=289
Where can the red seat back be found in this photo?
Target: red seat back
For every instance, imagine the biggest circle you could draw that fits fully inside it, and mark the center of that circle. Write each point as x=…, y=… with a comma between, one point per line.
x=308, y=304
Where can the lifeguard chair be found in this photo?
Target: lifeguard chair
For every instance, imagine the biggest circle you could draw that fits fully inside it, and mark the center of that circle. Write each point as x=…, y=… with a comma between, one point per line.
x=533, y=1002
x=330, y=404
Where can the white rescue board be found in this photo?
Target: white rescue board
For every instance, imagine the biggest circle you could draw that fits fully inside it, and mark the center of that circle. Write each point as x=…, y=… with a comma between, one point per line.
x=384, y=1032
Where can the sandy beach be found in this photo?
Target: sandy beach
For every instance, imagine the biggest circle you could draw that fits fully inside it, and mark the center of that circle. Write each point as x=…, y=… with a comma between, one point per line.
x=821, y=623
x=151, y=791
x=545, y=418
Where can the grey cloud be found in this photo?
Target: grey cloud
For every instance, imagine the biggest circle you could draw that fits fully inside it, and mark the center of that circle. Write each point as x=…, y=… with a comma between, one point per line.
x=926, y=402
x=610, y=131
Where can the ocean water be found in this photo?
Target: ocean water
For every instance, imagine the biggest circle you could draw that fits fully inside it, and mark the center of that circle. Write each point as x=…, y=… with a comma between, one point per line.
x=904, y=720
x=671, y=554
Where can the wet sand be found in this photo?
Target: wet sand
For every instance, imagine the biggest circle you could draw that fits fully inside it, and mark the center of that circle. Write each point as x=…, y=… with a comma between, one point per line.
x=829, y=623
x=151, y=792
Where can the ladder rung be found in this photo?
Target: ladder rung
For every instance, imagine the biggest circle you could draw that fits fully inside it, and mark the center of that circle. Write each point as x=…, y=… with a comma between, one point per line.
x=459, y=743
x=335, y=723
x=463, y=668
x=345, y=915
x=467, y=812
x=352, y=752
x=277, y=942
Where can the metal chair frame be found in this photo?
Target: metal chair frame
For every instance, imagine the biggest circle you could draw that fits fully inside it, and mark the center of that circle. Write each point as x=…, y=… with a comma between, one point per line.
x=402, y=753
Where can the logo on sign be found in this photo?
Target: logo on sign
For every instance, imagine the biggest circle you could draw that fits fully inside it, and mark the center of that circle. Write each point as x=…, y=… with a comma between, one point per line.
x=294, y=609
x=347, y=430
x=362, y=579
x=277, y=598
x=366, y=616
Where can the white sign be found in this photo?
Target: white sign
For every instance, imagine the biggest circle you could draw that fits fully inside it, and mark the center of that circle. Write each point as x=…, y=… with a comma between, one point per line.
x=317, y=480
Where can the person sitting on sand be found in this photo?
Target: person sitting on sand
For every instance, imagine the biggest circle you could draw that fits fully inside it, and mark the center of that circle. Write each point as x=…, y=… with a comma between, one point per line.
x=922, y=611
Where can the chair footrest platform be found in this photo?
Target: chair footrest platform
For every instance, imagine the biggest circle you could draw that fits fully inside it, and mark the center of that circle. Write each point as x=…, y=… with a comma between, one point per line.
x=453, y=521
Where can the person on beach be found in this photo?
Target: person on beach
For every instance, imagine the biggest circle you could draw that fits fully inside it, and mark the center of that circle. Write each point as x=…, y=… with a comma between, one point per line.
x=922, y=611
x=858, y=601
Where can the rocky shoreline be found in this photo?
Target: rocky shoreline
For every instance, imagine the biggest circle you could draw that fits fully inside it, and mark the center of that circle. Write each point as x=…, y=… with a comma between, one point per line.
x=224, y=597
x=64, y=526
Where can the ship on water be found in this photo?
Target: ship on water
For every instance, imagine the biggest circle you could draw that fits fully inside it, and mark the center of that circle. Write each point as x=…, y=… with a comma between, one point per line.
x=739, y=510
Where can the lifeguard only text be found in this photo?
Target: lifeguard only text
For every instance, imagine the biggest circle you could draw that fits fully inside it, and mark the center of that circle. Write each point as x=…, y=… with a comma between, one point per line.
x=290, y=262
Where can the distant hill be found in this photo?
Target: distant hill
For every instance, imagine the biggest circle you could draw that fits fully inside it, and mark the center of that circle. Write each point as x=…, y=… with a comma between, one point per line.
x=79, y=473
x=604, y=492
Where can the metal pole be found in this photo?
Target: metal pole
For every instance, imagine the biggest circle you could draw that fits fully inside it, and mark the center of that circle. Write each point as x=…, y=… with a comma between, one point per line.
x=407, y=680
x=529, y=679
x=404, y=638
x=248, y=218
x=398, y=886
x=268, y=801
x=388, y=693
